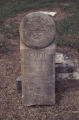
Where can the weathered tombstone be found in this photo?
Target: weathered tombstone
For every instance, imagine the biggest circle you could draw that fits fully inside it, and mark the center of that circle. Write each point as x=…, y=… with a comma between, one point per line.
x=37, y=46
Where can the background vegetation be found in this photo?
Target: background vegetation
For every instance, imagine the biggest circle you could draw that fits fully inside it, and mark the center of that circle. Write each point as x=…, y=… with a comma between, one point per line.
x=67, y=28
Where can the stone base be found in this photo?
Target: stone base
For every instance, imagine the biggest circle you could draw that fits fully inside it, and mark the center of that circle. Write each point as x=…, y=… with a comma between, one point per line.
x=19, y=84
x=66, y=67
x=38, y=75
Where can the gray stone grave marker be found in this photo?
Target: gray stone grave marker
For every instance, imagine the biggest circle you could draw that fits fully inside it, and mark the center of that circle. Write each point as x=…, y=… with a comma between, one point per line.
x=37, y=46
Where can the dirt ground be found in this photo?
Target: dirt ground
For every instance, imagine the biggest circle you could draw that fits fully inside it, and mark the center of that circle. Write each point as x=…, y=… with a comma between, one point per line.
x=11, y=108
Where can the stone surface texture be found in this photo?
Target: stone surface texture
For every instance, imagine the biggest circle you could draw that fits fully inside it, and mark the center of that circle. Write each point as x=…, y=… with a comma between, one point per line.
x=67, y=68
x=39, y=29
x=37, y=46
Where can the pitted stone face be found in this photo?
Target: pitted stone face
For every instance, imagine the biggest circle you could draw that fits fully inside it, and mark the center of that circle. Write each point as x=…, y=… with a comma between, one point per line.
x=37, y=30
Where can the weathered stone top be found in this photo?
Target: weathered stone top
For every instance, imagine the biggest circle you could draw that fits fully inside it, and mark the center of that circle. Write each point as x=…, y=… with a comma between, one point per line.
x=37, y=30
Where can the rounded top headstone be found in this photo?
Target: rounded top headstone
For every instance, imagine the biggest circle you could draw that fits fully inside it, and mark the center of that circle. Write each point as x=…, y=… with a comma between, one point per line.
x=37, y=30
